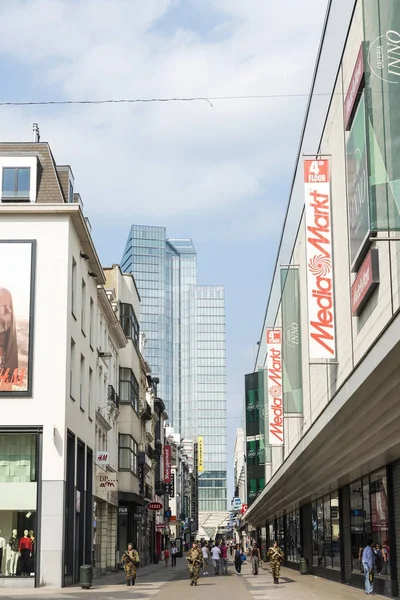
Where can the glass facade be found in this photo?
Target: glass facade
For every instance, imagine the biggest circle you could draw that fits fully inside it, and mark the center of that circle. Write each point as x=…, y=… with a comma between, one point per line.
x=326, y=531
x=185, y=329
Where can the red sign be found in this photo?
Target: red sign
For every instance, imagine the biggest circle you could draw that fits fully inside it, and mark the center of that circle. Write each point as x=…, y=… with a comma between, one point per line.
x=321, y=309
x=275, y=401
x=365, y=283
x=354, y=89
x=167, y=464
x=154, y=506
x=244, y=508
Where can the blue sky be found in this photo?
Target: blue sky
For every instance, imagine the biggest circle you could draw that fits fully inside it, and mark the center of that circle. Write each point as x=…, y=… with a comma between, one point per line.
x=220, y=175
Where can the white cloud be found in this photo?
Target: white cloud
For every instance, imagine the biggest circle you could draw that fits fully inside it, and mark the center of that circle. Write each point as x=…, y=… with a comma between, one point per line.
x=165, y=159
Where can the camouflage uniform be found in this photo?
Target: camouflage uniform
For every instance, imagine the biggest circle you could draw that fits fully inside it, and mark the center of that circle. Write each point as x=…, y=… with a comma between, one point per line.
x=275, y=556
x=129, y=559
x=195, y=560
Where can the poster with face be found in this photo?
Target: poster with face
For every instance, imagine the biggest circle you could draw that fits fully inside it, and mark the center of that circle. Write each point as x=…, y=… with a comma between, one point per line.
x=16, y=316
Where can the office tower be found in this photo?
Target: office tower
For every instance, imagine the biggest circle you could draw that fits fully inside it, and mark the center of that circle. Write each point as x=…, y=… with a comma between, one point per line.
x=185, y=327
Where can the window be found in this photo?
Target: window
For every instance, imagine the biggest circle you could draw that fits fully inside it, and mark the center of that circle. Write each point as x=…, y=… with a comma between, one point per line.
x=72, y=370
x=73, y=287
x=16, y=183
x=369, y=520
x=83, y=307
x=82, y=383
x=127, y=453
x=90, y=383
x=129, y=323
x=293, y=536
x=91, y=316
x=128, y=388
x=326, y=532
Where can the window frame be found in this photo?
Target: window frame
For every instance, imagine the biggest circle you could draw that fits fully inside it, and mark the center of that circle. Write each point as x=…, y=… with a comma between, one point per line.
x=16, y=197
x=128, y=445
x=129, y=323
x=133, y=399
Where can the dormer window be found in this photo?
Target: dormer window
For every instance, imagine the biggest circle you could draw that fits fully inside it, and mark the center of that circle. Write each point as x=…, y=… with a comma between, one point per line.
x=16, y=183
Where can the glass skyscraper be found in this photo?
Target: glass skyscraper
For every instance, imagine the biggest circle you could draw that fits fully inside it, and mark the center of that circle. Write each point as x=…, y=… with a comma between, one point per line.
x=185, y=328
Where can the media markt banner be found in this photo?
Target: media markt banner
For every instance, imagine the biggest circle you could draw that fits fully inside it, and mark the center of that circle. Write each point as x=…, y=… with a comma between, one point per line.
x=382, y=88
x=292, y=380
x=275, y=401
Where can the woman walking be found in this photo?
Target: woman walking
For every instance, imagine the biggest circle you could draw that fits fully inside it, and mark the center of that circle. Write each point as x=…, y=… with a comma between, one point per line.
x=166, y=557
x=255, y=559
x=275, y=556
x=238, y=559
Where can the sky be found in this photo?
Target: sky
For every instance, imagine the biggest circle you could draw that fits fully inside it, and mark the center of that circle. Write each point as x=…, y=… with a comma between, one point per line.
x=220, y=175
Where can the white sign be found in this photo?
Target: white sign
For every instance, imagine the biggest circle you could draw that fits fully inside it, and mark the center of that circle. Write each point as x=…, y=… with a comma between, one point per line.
x=102, y=458
x=107, y=481
x=275, y=400
x=321, y=303
x=237, y=503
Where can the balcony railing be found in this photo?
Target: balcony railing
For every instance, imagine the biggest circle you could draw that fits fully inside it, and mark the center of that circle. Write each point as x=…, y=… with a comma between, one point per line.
x=112, y=396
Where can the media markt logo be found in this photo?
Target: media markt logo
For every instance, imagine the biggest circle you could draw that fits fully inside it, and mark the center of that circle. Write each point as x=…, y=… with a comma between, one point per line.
x=384, y=57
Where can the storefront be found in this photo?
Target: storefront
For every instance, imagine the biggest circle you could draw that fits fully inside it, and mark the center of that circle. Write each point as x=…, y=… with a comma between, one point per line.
x=19, y=487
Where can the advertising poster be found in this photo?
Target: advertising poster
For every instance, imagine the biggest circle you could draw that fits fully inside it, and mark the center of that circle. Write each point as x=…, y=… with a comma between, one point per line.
x=167, y=464
x=382, y=84
x=292, y=378
x=320, y=292
x=200, y=451
x=16, y=316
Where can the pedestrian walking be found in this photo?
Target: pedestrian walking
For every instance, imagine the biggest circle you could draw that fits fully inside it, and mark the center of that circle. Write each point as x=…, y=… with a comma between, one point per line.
x=216, y=557
x=166, y=557
x=231, y=547
x=206, y=558
x=224, y=558
x=275, y=555
x=368, y=561
x=130, y=561
x=174, y=554
x=238, y=559
x=255, y=559
x=194, y=559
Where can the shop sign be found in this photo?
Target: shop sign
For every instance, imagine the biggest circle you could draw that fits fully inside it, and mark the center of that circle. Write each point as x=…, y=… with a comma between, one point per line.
x=123, y=510
x=160, y=526
x=236, y=503
x=137, y=517
x=200, y=454
x=107, y=481
x=167, y=464
x=141, y=477
x=355, y=86
x=365, y=283
x=154, y=506
x=171, y=490
x=244, y=509
x=78, y=502
x=102, y=458
x=275, y=400
x=321, y=305
x=384, y=56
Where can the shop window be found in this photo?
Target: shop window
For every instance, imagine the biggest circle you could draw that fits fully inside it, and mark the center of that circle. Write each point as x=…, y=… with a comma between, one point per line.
x=292, y=543
x=18, y=476
x=326, y=532
x=369, y=520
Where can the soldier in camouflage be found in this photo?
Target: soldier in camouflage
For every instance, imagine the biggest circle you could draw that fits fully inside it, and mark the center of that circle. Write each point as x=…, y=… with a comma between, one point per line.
x=275, y=555
x=195, y=560
x=130, y=560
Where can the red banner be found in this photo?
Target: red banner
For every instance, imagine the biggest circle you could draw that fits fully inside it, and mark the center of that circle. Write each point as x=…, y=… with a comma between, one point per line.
x=167, y=464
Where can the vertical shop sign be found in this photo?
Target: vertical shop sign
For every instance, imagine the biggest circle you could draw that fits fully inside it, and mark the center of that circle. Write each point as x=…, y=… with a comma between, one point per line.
x=167, y=464
x=321, y=303
x=292, y=380
x=200, y=457
x=275, y=400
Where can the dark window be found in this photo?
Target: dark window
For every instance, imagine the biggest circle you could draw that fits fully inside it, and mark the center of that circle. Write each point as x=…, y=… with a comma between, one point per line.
x=292, y=543
x=16, y=182
x=326, y=532
x=130, y=323
x=128, y=388
x=127, y=453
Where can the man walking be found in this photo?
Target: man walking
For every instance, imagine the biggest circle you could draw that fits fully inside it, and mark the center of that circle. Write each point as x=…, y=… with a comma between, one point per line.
x=224, y=558
x=194, y=558
x=368, y=561
x=216, y=556
x=174, y=553
x=206, y=558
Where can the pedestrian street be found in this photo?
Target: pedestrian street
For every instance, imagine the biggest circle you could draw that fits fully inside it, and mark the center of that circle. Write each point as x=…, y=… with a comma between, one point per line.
x=166, y=583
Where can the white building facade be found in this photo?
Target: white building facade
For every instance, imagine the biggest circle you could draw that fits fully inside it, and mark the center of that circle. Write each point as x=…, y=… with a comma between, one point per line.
x=331, y=335
x=47, y=432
